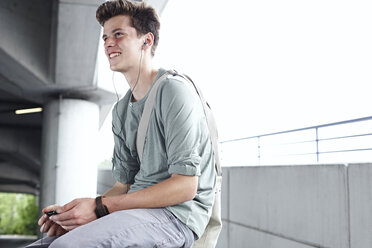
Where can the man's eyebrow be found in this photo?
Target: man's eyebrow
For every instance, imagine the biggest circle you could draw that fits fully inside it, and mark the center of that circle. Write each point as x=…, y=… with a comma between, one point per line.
x=117, y=29
x=113, y=31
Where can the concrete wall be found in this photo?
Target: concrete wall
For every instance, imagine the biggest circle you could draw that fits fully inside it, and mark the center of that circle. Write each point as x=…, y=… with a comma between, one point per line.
x=297, y=206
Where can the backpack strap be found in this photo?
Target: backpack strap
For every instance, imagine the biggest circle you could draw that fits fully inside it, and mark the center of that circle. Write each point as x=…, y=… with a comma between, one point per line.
x=145, y=118
x=149, y=105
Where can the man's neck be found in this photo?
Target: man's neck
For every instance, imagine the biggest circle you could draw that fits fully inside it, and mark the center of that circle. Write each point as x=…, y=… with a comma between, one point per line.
x=140, y=83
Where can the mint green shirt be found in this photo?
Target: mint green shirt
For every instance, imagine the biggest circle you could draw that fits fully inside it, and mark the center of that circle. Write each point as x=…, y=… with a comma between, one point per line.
x=177, y=142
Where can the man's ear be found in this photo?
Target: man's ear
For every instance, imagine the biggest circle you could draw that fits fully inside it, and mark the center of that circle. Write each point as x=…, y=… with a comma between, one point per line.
x=148, y=40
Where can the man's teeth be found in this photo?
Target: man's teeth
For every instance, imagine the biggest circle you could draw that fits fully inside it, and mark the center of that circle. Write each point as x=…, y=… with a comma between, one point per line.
x=114, y=55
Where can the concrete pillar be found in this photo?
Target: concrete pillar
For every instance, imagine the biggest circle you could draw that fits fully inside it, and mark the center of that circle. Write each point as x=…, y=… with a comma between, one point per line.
x=69, y=171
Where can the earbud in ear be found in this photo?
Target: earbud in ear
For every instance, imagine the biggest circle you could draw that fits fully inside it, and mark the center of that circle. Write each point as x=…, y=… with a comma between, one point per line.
x=144, y=44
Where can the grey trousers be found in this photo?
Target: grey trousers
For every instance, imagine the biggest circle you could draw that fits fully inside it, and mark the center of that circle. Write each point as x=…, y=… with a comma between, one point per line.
x=127, y=228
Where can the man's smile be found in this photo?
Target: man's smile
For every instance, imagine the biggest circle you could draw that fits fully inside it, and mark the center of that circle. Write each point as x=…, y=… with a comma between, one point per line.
x=114, y=54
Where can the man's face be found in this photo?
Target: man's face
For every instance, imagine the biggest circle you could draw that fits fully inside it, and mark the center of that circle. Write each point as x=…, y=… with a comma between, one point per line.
x=122, y=44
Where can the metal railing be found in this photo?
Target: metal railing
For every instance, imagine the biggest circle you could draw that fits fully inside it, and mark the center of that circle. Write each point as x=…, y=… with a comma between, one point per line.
x=344, y=141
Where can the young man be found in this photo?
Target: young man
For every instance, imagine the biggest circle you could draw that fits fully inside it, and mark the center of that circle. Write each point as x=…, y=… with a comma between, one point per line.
x=166, y=199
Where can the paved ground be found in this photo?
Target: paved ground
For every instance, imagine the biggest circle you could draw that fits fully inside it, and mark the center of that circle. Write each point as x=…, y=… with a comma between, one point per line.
x=15, y=241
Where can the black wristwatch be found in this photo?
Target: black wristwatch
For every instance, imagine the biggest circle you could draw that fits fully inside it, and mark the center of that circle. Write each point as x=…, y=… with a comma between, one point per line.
x=101, y=210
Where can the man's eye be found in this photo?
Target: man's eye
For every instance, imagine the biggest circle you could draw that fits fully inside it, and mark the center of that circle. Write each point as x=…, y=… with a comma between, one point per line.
x=118, y=34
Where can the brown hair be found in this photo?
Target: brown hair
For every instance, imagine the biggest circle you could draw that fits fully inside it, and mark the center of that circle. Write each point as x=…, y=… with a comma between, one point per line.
x=143, y=17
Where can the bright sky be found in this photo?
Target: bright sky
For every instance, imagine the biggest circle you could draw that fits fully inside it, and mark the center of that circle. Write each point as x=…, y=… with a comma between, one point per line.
x=267, y=66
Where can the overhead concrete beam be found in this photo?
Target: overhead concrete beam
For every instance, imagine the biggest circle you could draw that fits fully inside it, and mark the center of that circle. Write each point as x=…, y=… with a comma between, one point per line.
x=22, y=161
x=83, y=2
x=24, y=44
x=22, y=146
x=12, y=106
x=77, y=45
x=13, y=173
x=8, y=118
x=18, y=79
x=18, y=188
x=9, y=90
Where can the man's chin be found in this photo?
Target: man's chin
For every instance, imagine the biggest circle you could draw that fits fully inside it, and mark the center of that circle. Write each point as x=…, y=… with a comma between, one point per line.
x=118, y=68
x=115, y=68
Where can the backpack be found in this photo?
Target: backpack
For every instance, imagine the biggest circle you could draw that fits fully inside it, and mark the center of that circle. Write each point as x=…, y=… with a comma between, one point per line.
x=214, y=226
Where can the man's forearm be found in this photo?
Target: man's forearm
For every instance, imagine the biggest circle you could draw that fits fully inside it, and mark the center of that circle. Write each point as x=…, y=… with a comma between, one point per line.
x=117, y=189
x=176, y=189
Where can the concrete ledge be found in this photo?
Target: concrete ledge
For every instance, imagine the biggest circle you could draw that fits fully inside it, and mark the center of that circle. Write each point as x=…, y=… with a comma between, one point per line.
x=324, y=206
x=307, y=205
x=257, y=239
x=225, y=194
x=16, y=241
x=105, y=181
x=223, y=239
x=360, y=185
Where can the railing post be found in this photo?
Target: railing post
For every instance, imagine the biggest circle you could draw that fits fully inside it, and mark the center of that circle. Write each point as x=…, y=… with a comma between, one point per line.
x=259, y=150
x=317, y=145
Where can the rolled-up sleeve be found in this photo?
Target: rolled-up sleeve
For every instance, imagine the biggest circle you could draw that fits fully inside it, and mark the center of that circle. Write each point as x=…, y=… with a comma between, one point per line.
x=183, y=118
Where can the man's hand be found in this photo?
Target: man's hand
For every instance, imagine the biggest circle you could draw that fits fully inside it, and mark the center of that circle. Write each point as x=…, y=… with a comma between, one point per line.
x=48, y=226
x=75, y=213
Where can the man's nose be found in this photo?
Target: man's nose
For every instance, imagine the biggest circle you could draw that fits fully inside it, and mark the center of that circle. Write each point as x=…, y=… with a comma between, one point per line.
x=109, y=42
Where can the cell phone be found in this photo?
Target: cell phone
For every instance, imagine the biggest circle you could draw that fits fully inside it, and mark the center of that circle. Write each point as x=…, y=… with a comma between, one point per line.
x=50, y=213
